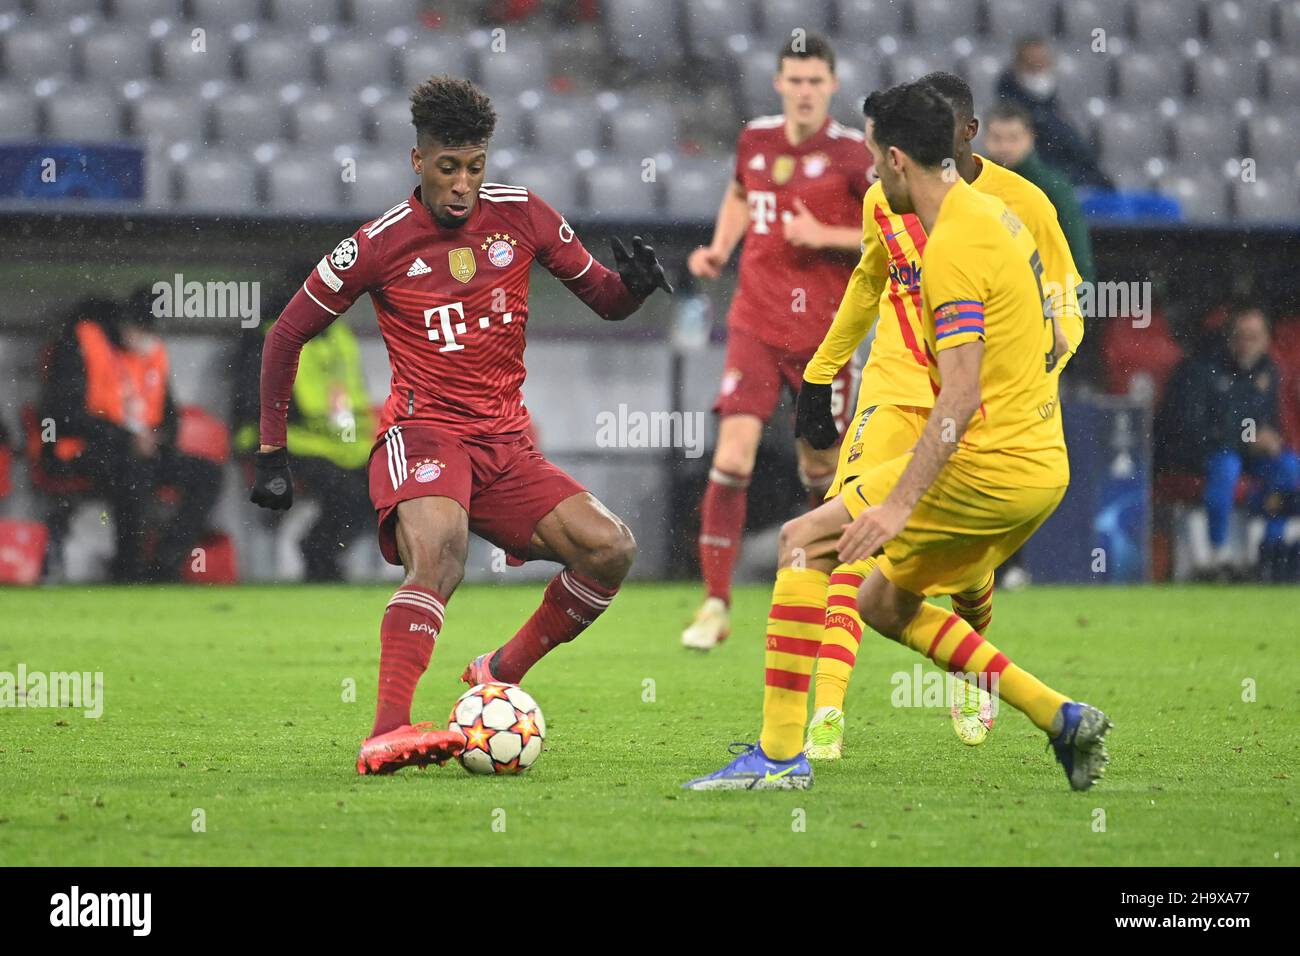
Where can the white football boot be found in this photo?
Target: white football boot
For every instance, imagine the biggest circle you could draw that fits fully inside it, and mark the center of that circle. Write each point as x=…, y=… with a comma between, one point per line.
x=711, y=626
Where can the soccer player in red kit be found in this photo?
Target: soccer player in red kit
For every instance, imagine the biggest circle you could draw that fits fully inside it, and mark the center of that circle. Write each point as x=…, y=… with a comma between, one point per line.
x=447, y=270
x=797, y=201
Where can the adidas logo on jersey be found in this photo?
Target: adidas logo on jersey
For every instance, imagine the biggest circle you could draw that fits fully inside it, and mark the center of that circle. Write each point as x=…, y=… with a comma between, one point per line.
x=418, y=268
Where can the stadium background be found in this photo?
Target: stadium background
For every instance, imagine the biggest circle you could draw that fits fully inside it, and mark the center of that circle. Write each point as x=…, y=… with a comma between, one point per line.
x=234, y=156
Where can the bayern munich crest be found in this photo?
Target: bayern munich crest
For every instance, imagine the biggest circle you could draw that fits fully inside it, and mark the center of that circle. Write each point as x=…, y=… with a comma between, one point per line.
x=427, y=469
x=500, y=249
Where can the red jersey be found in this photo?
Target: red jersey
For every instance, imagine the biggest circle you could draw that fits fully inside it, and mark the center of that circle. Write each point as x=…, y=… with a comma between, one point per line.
x=452, y=306
x=828, y=172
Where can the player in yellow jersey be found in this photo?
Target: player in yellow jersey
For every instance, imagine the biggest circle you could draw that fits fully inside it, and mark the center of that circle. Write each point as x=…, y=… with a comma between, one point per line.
x=895, y=395
x=989, y=466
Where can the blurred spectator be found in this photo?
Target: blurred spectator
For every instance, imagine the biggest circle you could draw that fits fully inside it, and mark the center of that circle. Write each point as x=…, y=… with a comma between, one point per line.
x=331, y=430
x=1220, y=418
x=1009, y=140
x=1031, y=82
x=115, y=426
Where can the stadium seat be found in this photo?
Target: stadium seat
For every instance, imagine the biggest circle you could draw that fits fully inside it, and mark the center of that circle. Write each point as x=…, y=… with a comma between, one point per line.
x=325, y=121
x=1147, y=78
x=709, y=23
x=642, y=128
x=554, y=180
x=56, y=10
x=182, y=64
x=213, y=13
x=935, y=20
x=354, y=62
x=304, y=183
x=1128, y=140
x=863, y=20
x=858, y=68
x=779, y=18
x=424, y=57
x=219, y=181
x=383, y=179
x=694, y=187
x=247, y=117
x=1274, y=200
x=1236, y=24
x=1012, y=18
x=144, y=11
x=390, y=120
x=1080, y=77
x=1167, y=22
x=19, y=119
x=1273, y=141
x=912, y=63
x=37, y=51
x=378, y=16
x=165, y=116
x=1128, y=351
x=981, y=72
x=1208, y=136
x=1282, y=77
x=82, y=116
x=1225, y=79
x=274, y=59
x=1080, y=17
x=1201, y=193
x=1288, y=22
x=647, y=35
x=522, y=65
x=111, y=56
x=302, y=14
x=755, y=70
x=615, y=188
x=562, y=128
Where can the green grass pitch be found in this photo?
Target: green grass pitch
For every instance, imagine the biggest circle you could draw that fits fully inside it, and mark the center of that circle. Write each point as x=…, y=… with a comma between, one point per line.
x=232, y=702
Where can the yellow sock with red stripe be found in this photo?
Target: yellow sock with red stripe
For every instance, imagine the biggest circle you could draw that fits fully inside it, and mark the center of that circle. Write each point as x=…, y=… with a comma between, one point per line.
x=794, y=635
x=976, y=605
x=952, y=644
x=842, y=634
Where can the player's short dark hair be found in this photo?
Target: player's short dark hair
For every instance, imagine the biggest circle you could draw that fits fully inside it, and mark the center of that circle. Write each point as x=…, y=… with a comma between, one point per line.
x=807, y=46
x=913, y=117
x=1005, y=111
x=452, y=112
x=953, y=89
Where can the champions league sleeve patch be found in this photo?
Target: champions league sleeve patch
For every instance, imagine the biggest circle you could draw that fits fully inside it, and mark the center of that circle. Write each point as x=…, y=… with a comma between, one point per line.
x=344, y=254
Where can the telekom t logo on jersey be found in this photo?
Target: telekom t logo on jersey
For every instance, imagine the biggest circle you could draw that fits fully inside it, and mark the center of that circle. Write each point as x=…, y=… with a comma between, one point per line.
x=446, y=329
x=762, y=210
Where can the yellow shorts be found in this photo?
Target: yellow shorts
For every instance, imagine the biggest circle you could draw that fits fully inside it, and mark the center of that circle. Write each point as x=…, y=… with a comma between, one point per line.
x=958, y=531
x=876, y=434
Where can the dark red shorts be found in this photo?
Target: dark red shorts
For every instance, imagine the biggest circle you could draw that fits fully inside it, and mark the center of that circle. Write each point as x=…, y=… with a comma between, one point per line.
x=755, y=373
x=506, y=487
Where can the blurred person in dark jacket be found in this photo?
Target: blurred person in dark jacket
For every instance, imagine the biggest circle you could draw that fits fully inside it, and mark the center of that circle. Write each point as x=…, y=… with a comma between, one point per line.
x=1009, y=139
x=330, y=433
x=115, y=425
x=1031, y=82
x=1220, y=418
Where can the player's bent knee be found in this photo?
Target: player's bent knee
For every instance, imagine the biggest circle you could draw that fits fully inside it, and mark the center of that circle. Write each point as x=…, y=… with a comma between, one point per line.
x=609, y=553
x=438, y=565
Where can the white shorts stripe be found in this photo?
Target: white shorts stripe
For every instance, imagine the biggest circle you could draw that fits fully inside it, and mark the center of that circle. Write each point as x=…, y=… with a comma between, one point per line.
x=401, y=454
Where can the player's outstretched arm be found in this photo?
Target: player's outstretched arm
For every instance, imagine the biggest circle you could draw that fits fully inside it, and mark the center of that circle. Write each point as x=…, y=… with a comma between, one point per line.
x=954, y=406
x=858, y=309
x=707, y=262
x=640, y=270
x=301, y=319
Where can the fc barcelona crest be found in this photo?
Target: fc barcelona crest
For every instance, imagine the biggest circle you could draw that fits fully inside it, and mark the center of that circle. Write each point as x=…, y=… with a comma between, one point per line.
x=461, y=263
x=782, y=169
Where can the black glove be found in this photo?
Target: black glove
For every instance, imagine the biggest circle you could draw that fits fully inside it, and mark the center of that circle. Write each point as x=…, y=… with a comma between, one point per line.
x=272, y=483
x=640, y=271
x=813, y=420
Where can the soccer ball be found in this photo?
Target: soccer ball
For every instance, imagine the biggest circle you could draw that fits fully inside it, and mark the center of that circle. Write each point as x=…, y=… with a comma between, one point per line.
x=503, y=728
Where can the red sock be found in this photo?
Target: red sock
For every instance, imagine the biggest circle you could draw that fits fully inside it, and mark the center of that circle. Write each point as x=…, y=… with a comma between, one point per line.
x=722, y=523
x=407, y=634
x=569, y=606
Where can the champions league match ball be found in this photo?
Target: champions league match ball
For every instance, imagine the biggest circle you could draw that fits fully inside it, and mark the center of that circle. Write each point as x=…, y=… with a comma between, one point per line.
x=503, y=728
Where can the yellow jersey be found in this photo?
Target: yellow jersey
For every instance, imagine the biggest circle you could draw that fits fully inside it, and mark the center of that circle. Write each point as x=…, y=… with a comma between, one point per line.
x=982, y=280
x=887, y=282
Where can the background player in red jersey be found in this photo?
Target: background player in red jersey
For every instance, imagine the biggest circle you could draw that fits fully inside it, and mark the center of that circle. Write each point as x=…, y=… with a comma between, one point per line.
x=447, y=270
x=797, y=201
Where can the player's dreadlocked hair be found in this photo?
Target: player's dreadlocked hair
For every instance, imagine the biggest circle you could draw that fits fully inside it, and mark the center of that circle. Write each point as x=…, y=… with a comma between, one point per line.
x=953, y=89
x=451, y=112
x=913, y=117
